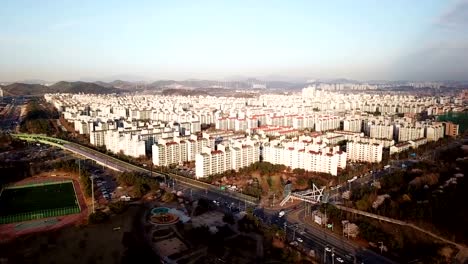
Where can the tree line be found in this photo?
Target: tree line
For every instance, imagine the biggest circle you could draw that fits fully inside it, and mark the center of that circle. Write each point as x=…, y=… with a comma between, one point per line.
x=73, y=166
x=142, y=183
x=37, y=119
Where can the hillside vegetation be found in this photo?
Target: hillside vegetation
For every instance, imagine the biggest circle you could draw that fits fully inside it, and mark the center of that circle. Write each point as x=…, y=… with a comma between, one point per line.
x=429, y=194
x=21, y=89
x=39, y=118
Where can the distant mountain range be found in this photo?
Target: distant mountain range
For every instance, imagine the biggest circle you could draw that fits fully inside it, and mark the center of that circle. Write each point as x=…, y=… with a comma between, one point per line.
x=18, y=89
x=203, y=87
x=160, y=86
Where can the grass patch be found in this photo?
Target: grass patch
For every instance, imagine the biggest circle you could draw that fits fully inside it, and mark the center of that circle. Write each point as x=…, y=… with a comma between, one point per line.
x=36, y=198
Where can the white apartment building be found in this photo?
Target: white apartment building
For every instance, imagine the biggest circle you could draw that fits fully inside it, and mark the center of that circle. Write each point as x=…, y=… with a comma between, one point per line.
x=380, y=131
x=242, y=155
x=352, y=125
x=166, y=153
x=302, y=156
x=176, y=151
x=364, y=152
x=434, y=131
x=326, y=123
x=406, y=133
x=97, y=138
x=210, y=162
x=126, y=143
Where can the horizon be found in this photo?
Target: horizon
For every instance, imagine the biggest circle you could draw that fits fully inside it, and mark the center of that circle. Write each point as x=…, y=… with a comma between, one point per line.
x=149, y=41
x=246, y=79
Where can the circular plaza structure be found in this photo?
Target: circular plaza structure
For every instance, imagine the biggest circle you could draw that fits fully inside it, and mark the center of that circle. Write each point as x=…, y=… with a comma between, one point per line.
x=161, y=216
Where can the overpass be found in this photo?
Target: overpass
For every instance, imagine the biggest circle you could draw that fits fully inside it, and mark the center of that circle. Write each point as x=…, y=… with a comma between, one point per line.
x=313, y=196
x=122, y=166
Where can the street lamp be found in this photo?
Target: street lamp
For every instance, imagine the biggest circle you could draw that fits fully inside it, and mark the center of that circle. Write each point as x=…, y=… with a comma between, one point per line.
x=92, y=191
x=381, y=246
x=151, y=169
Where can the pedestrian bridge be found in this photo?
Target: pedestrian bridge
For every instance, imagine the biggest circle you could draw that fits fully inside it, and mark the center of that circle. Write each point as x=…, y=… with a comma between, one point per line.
x=314, y=196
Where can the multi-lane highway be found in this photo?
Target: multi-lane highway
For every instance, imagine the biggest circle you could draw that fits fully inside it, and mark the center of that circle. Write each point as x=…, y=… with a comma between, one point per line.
x=323, y=243
x=10, y=116
x=119, y=165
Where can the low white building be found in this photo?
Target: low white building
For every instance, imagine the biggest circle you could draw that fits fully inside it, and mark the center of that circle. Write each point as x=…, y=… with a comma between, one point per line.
x=400, y=147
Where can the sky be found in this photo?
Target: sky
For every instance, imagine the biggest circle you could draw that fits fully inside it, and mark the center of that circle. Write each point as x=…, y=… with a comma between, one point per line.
x=291, y=40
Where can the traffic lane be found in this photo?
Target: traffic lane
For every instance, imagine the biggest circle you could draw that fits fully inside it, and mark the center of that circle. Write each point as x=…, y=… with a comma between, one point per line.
x=342, y=243
x=120, y=165
x=100, y=159
x=318, y=245
x=325, y=235
x=228, y=204
x=313, y=239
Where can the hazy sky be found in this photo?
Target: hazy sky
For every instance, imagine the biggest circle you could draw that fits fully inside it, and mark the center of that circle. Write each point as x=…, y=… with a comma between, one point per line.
x=394, y=39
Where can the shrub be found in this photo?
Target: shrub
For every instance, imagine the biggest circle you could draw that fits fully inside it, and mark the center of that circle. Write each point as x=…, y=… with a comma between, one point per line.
x=98, y=217
x=118, y=207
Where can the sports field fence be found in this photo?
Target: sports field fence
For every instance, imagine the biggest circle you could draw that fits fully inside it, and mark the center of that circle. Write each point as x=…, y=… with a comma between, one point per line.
x=39, y=214
x=6, y=219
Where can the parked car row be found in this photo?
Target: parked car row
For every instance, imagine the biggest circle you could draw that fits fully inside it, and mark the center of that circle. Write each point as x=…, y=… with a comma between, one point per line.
x=101, y=184
x=102, y=187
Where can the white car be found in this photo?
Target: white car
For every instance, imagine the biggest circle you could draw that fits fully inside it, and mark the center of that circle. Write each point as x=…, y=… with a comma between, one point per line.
x=281, y=213
x=327, y=249
x=300, y=240
x=340, y=260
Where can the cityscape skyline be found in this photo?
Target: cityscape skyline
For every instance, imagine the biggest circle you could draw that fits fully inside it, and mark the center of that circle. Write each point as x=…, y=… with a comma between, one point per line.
x=233, y=131
x=398, y=40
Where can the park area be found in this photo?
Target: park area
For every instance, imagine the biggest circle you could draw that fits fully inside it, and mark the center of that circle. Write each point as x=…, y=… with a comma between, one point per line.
x=39, y=200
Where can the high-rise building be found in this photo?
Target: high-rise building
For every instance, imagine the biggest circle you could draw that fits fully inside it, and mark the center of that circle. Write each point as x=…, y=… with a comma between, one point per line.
x=406, y=133
x=353, y=125
x=310, y=157
x=451, y=129
x=434, y=131
x=364, y=152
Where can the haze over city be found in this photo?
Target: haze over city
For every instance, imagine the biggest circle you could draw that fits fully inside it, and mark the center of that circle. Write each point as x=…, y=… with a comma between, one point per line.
x=287, y=40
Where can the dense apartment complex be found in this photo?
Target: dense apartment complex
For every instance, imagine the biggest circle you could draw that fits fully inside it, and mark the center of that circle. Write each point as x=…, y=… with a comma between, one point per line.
x=168, y=128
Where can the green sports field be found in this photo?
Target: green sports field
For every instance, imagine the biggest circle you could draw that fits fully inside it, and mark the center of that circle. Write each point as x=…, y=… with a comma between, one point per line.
x=37, y=201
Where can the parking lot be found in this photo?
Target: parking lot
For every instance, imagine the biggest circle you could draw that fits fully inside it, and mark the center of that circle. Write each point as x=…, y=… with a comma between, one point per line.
x=104, y=185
